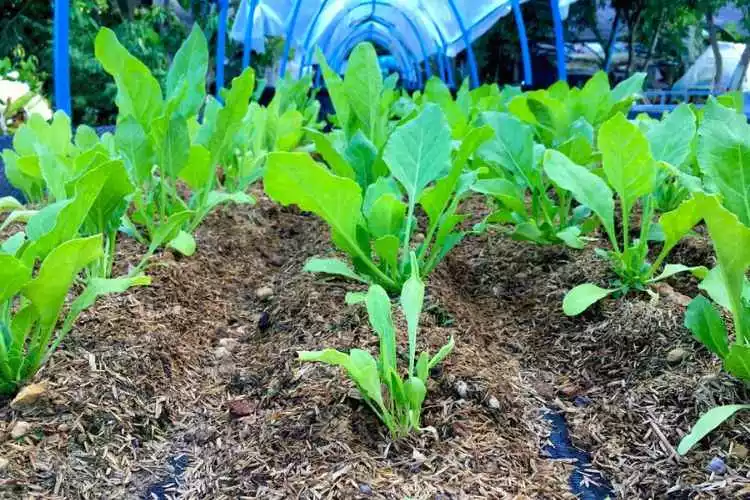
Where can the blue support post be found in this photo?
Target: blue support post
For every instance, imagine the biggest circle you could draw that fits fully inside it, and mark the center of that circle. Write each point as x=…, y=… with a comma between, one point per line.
x=441, y=63
x=221, y=46
x=287, y=42
x=562, y=70
x=524, y=41
x=467, y=42
x=61, y=55
x=248, y=43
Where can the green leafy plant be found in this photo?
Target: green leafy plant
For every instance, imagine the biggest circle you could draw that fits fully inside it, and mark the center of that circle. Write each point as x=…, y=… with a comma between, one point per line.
x=516, y=175
x=400, y=408
x=364, y=204
x=629, y=171
x=171, y=158
x=724, y=160
x=32, y=304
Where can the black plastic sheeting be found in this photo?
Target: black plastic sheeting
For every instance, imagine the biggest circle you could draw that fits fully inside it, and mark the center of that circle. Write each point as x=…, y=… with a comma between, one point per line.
x=585, y=482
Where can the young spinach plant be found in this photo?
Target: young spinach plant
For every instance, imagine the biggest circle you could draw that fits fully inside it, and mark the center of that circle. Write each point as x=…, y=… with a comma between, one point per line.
x=400, y=409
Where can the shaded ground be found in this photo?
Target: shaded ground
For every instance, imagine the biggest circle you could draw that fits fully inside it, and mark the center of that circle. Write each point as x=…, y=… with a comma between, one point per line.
x=198, y=369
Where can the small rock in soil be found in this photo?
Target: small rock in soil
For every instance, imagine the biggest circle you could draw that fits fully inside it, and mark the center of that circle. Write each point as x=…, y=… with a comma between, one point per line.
x=222, y=353
x=3, y=463
x=569, y=390
x=365, y=489
x=20, y=429
x=739, y=451
x=264, y=321
x=717, y=466
x=493, y=403
x=228, y=343
x=240, y=408
x=28, y=396
x=264, y=292
x=676, y=355
x=63, y=427
x=276, y=260
x=462, y=389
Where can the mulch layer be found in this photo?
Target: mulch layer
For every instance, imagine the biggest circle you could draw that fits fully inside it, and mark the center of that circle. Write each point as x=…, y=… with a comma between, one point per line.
x=191, y=387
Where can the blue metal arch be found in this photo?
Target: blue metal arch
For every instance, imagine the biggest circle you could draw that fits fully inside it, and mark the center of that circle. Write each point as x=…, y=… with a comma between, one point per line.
x=562, y=71
x=404, y=51
x=329, y=32
x=247, y=44
x=524, y=41
x=348, y=45
x=61, y=55
x=380, y=38
x=221, y=45
x=467, y=42
x=380, y=3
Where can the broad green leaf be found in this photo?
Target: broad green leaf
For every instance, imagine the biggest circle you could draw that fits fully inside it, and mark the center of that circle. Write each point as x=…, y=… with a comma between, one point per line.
x=48, y=290
x=108, y=207
x=386, y=216
x=724, y=156
x=737, y=361
x=511, y=150
x=678, y=222
x=442, y=353
x=595, y=99
x=198, y=170
x=704, y=321
x=382, y=186
x=419, y=152
x=706, y=423
x=216, y=198
x=379, y=313
x=587, y=188
x=354, y=298
x=183, y=243
x=295, y=178
x=415, y=391
x=627, y=160
x=672, y=269
x=14, y=274
x=713, y=284
x=363, y=85
x=168, y=230
x=584, y=296
x=336, y=90
x=361, y=155
x=412, y=299
x=173, y=139
x=13, y=244
x=731, y=239
x=671, y=138
x=503, y=191
x=331, y=266
x=571, y=236
x=187, y=74
x=386, y=248
x=330, y=154
x=629, y=88
x=135, y=146
x=289, y=130
x=138, y=92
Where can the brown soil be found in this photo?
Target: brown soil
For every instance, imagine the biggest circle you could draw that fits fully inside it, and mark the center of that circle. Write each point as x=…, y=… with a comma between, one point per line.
x=149, y=382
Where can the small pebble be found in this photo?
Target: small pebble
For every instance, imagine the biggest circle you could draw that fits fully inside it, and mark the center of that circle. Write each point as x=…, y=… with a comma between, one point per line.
x=222, y=353
x=717, y=466
x=228, y=343
x=462, y=389
x=264, y=321
x=3, y=463
x=676, y=355
x=63, y=427
x=264, y=292
x=20, y=429
x=739, y=451
x=240, y=408
x=493, y=403
x=365, y=489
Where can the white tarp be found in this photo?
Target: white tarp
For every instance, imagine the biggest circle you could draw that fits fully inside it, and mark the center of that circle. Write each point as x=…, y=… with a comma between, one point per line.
x=701, y=74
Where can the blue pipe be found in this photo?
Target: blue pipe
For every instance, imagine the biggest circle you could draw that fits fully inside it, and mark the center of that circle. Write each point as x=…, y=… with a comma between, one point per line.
x=467, y=41
x=562, y=70
x=524, y=41
x=287, y=43
x=247, y=47
x=441, y=63
x=221, y=46
x=61, y=55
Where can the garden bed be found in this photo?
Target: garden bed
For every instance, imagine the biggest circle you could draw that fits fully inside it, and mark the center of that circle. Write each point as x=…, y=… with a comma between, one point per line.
x=196, y=377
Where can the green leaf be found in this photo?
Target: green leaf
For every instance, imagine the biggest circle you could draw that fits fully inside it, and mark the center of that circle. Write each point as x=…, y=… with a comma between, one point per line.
x=354, y=298
x=135, y=146
x=724, y=156
x=48, y=290
x=198, y=170
x=109, y=206
x=672, y=269
x=8, y=204
x=713, y=284
x=678, y=222
x=386, y=248
x=571, y=236
x=704, y=321
x=737, y=361
x=336, y=90
x=706, y=423
x=629, y=88
x=295, y=178
x=363, y=85
x=386, y=216
x=412, y=299
x=511, y=151
x=330, y=154
x=361, y=155
x=216, y=198
x=174, y=140
x=169, y=229
x=331, y=266
x=14, y=274
x=379, y=314
x=584, y=296
x=419, y=152
x=289, y=130
x=415, y=391
x=503, y=191
x=183, y=243
x=187, y=74
x=671, y=139
x=442, y=353
x=587, y=188
x=626, y=159
x=138, y=92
